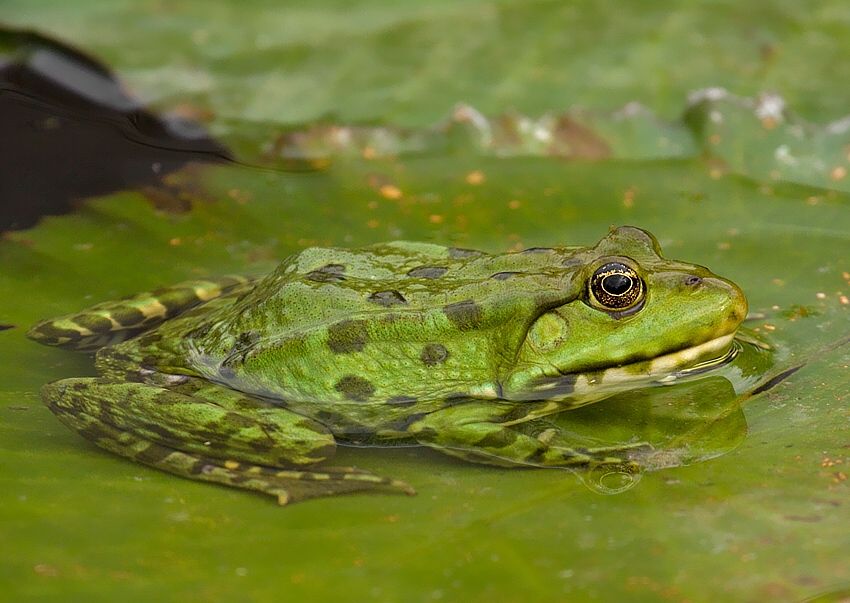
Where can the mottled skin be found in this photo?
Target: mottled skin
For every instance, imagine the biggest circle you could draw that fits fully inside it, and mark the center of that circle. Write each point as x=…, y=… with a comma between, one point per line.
x=251, y=383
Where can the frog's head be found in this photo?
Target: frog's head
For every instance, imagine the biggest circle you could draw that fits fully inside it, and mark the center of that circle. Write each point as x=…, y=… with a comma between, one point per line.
x=635, y=315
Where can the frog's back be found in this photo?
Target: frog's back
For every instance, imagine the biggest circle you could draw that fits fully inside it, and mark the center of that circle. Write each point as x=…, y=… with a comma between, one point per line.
x=384, y=323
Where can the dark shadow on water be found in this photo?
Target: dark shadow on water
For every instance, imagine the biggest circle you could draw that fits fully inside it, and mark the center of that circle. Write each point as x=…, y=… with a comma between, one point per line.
x=71, y=131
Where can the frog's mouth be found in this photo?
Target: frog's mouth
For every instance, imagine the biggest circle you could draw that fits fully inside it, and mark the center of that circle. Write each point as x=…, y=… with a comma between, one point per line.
x=594, y=385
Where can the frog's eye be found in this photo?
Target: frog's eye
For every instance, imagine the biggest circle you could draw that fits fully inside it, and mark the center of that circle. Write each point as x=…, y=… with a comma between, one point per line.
x=615, y=286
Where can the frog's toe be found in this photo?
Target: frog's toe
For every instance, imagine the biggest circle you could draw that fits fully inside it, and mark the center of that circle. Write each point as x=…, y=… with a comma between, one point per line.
x=297, y=486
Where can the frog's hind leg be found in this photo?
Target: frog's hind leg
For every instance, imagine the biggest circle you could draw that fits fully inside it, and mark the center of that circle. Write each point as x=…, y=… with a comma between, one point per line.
x=210, y=433
x=117, y=320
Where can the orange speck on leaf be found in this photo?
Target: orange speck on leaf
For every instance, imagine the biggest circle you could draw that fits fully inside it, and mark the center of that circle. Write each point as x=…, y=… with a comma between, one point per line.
x=475, y=177
x=435, y=219
x=390, y=191
x=241, y=197
x=43, y=569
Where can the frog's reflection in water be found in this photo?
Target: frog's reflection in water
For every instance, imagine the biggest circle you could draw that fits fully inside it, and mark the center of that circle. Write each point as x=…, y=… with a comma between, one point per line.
x=684, y=424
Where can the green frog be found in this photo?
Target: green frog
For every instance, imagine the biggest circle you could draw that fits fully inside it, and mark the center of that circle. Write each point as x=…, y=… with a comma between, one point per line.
x=253, y=382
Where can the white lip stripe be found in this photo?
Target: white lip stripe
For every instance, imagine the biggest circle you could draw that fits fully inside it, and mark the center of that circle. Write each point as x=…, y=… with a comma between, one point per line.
x=669, y=363
x=663, y=368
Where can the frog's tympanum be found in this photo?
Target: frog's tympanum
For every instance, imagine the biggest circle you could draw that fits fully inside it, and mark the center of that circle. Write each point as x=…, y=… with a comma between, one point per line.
x=253, y=382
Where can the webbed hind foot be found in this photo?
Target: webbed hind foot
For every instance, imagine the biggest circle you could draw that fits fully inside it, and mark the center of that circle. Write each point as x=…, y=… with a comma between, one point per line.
x=218, y=435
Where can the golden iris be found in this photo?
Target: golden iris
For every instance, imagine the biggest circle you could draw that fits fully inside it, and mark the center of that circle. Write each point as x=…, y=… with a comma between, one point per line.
x=616, y=286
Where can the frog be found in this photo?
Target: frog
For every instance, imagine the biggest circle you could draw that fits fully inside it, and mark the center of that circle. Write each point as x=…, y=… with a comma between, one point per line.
x=253, y=382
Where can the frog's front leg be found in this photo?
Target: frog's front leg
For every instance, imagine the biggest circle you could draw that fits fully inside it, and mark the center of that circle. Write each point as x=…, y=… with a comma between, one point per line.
x=497, y=434
x=203, y=431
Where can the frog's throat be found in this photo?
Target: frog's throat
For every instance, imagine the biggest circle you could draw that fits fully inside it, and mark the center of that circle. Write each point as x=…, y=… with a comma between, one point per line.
x=661, y=369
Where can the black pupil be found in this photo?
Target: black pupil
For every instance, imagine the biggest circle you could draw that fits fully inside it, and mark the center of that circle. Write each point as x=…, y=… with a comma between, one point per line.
x=616, y=284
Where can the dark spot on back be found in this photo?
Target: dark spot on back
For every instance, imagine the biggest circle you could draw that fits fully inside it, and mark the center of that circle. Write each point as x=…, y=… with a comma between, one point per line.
x=330, y=273
x=387, y=298
x=433, y=354
x=402, y=401
x=355, y=388
x=347, y=336
x=427, y=271
x=466, y=315
x=458, y=253
x=503, y=276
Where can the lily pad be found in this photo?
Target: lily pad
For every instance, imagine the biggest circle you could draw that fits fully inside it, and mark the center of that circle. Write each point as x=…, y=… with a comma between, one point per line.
x=472, y=529
x=760, y=505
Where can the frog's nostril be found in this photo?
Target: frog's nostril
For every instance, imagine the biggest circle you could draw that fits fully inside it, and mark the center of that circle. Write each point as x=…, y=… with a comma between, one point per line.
x=693, y=281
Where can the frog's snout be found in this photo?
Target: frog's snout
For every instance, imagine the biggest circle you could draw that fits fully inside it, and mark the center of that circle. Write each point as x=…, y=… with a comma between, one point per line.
x=735, y=301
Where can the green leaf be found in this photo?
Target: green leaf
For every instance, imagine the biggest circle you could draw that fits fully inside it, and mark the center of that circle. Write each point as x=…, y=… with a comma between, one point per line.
x=756, y=510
